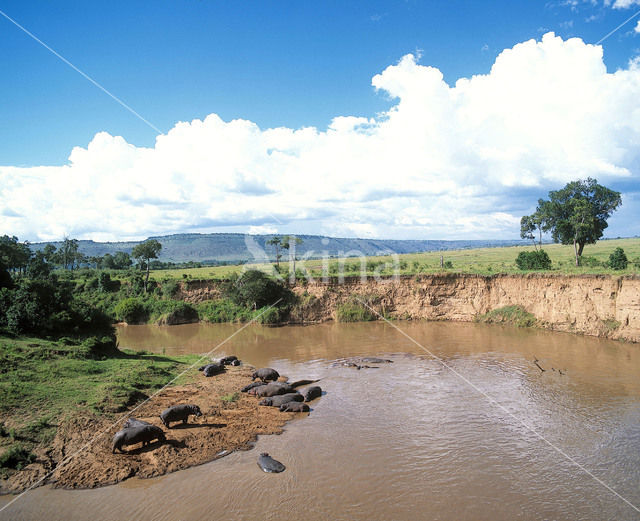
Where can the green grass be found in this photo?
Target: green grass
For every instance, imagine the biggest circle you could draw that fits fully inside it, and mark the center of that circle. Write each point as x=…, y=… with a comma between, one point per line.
x=233, y=397
x=43, y=382
x=484, y=261
x=514, y=315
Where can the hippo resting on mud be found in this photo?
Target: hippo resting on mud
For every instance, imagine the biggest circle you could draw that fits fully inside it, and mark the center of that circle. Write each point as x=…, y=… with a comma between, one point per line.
x=313, y=393
x=277, y=401
x=212, y=369
x=179, y=413
x=252, y=385
x=132, y=435
x=294, y=407
x=229, y=360
x=272, y=389
x=268, y=464
x=266, y=374
x=133, y=422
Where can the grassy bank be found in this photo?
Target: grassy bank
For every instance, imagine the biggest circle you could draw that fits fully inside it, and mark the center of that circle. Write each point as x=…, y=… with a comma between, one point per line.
x=42, y=383
x=485, y=261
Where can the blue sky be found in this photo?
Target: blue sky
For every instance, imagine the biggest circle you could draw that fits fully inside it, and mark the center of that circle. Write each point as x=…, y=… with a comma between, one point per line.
x=290, y=65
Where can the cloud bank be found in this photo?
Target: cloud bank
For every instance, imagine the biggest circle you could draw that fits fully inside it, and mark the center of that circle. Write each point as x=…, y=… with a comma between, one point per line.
x=461, y=161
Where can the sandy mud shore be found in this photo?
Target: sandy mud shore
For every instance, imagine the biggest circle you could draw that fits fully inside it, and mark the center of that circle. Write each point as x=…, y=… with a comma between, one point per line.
x=225, y=426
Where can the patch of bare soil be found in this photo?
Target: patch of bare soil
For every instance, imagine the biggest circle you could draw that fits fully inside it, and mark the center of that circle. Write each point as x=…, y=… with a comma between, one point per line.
x=225, y=426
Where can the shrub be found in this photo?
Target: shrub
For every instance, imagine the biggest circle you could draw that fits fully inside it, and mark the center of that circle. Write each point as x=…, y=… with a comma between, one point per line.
x=447, y=264
x=16, y=457
x=618, y=260
x=223, y=310
x=170, y=288
x=254, y=289
x=533, y=260
x=355, y=310
x=515, y=315
x=131, y=310
x=173, y=312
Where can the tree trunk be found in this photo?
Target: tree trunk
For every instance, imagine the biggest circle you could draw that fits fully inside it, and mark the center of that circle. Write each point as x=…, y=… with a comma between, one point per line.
x=575, y=248
x=146, y=280
x=580, y=248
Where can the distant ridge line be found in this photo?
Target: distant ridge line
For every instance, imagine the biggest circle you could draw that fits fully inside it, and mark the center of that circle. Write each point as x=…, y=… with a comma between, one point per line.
x=232, y=247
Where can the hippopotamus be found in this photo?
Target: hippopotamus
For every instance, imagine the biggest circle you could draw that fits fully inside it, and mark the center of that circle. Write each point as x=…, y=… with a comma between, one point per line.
x=235, y=363
x=132, y=435
x=133, y=422
x=272, y=389
x=294, y=407
x=229, y=360
x=266, y=374
x=251, y=386
x=312, y=393
x=373, y=360
x=277, y=401
x=179, y=413
x=212, y=369
x=268, y=464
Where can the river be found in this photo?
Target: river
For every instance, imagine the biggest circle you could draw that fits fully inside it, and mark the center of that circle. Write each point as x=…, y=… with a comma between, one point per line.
x=480, y=432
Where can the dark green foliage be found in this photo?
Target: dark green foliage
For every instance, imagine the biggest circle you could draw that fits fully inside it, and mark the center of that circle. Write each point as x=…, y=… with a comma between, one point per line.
x=254, y=289
x=172, y=312
x=170, y=288
x=38, y=267
x=131, y=310
x=577, y=214
x=447, y=264
x=533, y=260
x=223, y=310
x=16, y=457
x=618, y=260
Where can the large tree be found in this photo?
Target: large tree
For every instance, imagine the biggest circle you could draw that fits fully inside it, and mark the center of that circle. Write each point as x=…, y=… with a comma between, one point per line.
x=577, y=214
x=276, y=242
x=289, y=243
x=68, y=253
x=144, y=252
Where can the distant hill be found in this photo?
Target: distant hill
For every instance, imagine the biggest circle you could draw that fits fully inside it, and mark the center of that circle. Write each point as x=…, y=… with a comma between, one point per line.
x=240, y=247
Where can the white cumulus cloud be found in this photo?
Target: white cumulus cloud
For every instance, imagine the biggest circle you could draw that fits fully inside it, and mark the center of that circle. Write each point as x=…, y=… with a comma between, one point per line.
x=446, y=161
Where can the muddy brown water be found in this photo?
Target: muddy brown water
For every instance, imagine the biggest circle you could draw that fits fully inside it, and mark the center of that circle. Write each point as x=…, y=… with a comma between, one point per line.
x=407, y=441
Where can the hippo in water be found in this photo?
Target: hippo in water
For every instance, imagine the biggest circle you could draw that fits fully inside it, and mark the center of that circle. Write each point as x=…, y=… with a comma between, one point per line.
x=133, y=422
x=272, y=389
x=132, y=435
x=252, y=385
x=268, y=464
x=266, y=374
x=313, y=393
x=212, y=369
x=179, y=413
x=294, y=407
x=277, y=401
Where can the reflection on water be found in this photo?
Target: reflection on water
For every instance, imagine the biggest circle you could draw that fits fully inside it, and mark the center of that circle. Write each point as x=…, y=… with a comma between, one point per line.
x=410, y=440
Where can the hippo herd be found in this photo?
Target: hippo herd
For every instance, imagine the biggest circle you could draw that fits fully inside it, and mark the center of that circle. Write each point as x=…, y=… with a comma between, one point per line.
x=265, y=385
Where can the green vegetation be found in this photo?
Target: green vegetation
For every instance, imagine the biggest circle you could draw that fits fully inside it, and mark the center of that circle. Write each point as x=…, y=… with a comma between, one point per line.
x=144, y=252
x=42, y=382
x=358, y=308
x=533, y=260
x=514, y=315
x=577, y=214
x=229, y=398
x=618, y=260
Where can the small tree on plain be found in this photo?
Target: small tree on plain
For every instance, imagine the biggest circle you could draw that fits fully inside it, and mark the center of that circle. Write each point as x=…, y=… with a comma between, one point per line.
x=144, y=252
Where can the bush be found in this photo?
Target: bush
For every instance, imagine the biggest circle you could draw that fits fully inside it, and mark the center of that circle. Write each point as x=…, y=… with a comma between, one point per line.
x=16, y=457
x=354, y=310
x=515, y=315
x=223, y=310
x=254, y=289
x=131, y=310
x=618, y=260
x=170, y=288
x=533, y=260
x=447, y=264
x=170, y=312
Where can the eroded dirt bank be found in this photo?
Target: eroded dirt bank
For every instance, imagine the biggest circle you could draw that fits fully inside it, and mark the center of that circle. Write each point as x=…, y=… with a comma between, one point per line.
x=598, y=305
x=224, y=426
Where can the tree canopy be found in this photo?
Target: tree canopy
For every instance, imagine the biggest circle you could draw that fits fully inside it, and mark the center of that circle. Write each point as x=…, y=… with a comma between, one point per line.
x=144, y=252
x=576, y=214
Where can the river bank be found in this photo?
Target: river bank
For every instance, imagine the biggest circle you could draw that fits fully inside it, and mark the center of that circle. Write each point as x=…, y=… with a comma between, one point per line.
x=598, y=305
x=230, y=421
